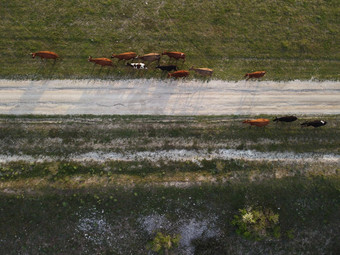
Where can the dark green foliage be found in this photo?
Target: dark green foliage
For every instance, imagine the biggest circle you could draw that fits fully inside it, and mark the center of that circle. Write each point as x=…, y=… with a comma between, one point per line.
x=257, y=224
x=163, y=243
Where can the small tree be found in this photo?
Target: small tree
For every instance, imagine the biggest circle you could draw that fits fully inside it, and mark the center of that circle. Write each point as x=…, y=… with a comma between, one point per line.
x=257, y=223
x=163, y=243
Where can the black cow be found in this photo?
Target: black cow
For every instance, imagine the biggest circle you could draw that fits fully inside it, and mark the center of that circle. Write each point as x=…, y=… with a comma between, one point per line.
x=167, y=68
x=314, y=123
x=286, y=119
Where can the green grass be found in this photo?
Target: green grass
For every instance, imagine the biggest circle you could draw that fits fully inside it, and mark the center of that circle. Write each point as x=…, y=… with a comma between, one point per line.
x=19, y=177
x=61, y=136
x=288, y=39
x=110, y=221
x=67, y=207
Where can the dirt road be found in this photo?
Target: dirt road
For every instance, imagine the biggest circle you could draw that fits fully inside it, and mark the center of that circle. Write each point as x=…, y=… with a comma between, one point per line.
x=168, y=97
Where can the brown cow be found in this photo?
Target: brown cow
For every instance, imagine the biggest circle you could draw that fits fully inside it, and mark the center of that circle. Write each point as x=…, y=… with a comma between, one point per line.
x=101, y=61
x=257, y=74
x=45, y=54
x=180, y=73
x=257, y=122
x=150, y=57
x=175, y=54
x=125, y=56
x=202, y=71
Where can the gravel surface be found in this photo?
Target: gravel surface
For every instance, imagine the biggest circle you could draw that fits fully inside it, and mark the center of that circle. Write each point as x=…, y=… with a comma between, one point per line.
x=168, y=97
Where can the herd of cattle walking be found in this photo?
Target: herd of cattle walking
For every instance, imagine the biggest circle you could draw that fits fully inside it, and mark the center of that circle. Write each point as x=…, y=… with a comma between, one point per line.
x=264, y=122
x=148, y=58
x=151, y=57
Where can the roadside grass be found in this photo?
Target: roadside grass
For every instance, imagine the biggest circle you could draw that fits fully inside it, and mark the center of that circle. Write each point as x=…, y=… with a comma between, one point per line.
x=115, y=207
x=64, y=136
x=19, y=177
x=290, y=39
x=120, y=221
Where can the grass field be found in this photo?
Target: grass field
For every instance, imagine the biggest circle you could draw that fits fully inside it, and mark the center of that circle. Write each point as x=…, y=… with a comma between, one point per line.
x=53, y=203
x=83, y=134
x=61, y=206
x=121, y=221
x=289, y=39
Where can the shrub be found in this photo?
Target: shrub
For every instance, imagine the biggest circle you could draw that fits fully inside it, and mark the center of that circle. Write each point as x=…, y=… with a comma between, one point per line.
x=285, y=45
x=258, y=224
x=303, y=45
x=163, y=243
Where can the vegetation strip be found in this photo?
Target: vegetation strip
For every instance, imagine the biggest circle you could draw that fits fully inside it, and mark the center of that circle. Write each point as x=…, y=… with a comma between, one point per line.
x=123, y=221
x=22, y=177
x=195, y=202
x=60, y=137
x=289, y=40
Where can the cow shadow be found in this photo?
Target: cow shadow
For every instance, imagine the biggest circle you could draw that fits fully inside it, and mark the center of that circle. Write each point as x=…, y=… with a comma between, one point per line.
x=101, y=72
x=28, y=103
x=47, y=68
x=248, y=96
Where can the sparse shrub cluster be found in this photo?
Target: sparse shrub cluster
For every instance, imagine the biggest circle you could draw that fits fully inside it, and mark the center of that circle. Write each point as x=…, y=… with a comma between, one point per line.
x=163, y=243
x=259, y=223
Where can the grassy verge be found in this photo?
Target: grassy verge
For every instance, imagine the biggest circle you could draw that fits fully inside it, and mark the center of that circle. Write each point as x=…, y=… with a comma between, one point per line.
x=20, y=177
x=120, y=221
x=62, y=136
x=116, y=207
x=290, y=39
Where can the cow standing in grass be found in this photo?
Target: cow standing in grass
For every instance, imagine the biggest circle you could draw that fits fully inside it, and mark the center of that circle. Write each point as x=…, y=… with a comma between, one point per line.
x=257, y=122
x=255, y=75
x=285, y=119
x=101, y=61
x=179, y=74
x=125, y=56
x=46, y=55
x=202, y=71
x=314, y=123
x=167, y=68
x=137, y=65
x=151, y=57
x=175, y=55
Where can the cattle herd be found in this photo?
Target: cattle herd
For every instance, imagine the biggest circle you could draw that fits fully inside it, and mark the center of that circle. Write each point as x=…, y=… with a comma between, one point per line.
x=147, y=59
x=264, y=122
x=152, y=57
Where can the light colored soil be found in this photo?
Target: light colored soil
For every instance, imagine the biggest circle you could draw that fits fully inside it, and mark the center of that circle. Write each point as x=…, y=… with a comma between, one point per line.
x=168, y=97
x=181, y=155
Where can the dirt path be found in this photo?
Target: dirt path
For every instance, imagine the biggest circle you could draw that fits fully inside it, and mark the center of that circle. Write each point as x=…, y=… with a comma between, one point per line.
x=168, y=97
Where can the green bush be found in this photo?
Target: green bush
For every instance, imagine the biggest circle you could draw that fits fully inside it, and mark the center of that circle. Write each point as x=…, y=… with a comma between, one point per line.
x=285, y=45
x=162, y=243
x=258, y=224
